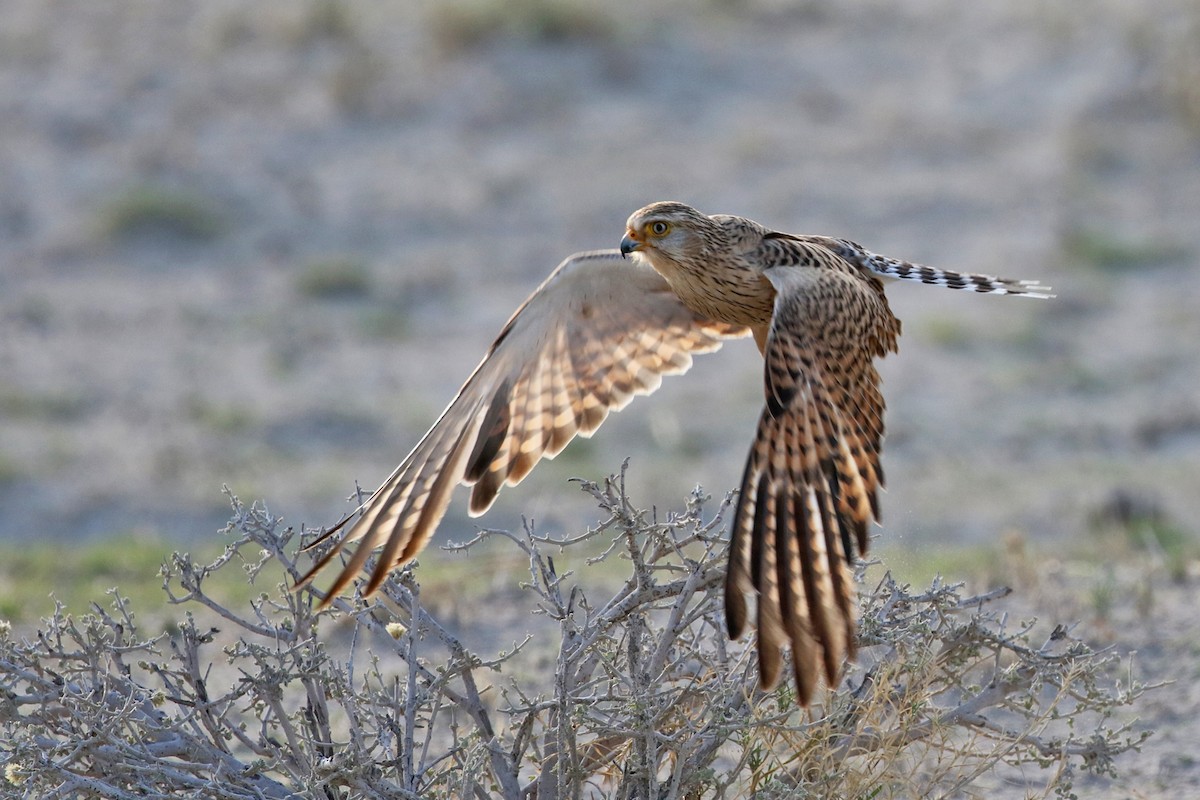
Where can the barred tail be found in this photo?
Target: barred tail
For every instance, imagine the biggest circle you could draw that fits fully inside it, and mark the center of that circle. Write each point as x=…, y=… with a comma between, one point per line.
x=985, y=284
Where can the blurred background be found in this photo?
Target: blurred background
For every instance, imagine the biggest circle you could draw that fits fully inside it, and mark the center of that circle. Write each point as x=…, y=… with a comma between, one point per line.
x=261, y=245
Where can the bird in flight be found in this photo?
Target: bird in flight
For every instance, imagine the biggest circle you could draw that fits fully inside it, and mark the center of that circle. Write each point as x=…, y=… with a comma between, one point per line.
x=608, y=325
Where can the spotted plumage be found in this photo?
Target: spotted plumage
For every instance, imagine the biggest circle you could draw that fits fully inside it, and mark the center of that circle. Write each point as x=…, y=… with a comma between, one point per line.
x=602, y=329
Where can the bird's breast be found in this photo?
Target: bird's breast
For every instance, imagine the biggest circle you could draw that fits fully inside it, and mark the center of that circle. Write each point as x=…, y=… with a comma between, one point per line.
x=738, y=296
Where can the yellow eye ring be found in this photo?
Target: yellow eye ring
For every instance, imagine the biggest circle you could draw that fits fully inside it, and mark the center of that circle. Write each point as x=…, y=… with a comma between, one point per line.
x=658, y=228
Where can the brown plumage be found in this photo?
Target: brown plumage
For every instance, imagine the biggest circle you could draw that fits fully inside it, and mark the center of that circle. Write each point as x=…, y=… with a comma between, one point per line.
x=602, y=329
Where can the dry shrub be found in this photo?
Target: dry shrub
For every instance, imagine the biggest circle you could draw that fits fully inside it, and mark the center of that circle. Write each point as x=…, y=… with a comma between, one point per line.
x=643, y=696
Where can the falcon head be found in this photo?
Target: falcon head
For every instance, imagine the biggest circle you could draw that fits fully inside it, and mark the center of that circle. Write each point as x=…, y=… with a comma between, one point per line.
x=669, y=230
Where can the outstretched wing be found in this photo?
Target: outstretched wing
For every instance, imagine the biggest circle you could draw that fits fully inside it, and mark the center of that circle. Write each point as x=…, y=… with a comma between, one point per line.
x=600, y=330
x=813, y=473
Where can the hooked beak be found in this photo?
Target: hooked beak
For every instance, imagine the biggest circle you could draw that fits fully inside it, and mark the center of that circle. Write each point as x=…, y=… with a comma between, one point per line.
x=629, y=244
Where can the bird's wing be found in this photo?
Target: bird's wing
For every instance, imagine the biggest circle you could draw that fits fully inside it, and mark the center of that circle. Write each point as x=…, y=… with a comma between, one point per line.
x=600, y=330
x=811, y=479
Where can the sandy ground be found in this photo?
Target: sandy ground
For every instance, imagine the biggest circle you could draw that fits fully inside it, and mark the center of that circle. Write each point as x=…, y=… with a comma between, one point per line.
x=177, y=179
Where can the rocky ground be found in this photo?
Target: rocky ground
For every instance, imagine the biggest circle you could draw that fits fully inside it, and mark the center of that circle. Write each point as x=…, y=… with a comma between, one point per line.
x=262, y=245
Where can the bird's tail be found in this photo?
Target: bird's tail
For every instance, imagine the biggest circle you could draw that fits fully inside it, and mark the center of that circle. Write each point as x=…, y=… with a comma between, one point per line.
x=896, y=269
x=985, y=284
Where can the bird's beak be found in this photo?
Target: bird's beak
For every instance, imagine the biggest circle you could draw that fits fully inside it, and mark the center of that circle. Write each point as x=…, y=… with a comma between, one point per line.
x=630, y=244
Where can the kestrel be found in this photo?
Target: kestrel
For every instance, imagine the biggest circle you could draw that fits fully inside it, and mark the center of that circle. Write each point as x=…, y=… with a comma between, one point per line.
x=603, y=328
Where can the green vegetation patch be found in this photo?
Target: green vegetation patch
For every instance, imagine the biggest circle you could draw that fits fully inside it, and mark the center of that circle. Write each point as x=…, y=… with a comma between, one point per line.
x=1112, y=252
x=33, y=574
x=464, y=24
x=334, y=279
x=16, y=403
x=150, y=210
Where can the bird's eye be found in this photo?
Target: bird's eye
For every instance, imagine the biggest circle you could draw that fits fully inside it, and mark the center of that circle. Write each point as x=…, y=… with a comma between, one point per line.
x=659, y=228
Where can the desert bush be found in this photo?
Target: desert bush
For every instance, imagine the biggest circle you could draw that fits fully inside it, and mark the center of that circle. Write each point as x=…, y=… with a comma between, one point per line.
x=630, y=693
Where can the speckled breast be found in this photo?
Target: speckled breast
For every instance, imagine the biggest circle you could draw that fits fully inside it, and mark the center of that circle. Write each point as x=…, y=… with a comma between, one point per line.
x=740, y=296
